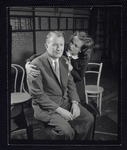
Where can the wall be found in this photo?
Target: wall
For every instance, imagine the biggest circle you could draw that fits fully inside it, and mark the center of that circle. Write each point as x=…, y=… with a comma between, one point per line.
x=22, y=42
x=22, y=47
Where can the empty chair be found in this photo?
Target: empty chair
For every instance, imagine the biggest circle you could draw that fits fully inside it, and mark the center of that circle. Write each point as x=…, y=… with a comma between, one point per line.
x=94, y=90
x=19, y=94
x=18, y=97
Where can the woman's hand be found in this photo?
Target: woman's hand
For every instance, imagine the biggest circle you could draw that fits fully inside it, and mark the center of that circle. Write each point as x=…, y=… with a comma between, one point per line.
x=32, y=70
x=68, y=62
x=70, y=67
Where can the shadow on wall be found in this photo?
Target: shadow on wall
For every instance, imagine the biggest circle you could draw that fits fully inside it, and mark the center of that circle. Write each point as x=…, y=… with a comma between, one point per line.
x=21, y=60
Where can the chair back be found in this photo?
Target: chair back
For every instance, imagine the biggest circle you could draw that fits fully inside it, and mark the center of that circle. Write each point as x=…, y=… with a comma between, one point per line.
x=98, y=72
x=18, y=70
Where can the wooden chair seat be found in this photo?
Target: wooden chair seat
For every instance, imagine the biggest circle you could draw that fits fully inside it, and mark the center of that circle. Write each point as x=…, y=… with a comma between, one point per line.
x=19, y=97
x=93, y=89
x=33, y=124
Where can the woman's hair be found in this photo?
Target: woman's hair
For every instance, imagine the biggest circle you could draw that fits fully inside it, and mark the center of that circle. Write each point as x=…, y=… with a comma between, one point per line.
x=57, y=33
x=88, y=43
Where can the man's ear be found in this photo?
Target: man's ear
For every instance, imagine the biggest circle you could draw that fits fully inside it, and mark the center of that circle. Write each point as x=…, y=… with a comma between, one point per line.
x=46, y=46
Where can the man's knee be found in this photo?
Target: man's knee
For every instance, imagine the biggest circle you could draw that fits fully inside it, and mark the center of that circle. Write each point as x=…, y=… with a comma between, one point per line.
x=68, y=132
x=86, y=115
x=90, y=119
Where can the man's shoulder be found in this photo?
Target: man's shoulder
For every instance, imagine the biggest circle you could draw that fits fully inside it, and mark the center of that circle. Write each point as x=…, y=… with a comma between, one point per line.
x=38, y=60
x=63, y=58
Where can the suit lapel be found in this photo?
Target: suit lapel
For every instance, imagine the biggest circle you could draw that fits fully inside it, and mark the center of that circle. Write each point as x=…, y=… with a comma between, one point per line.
x=50, y=63
x=63, y=71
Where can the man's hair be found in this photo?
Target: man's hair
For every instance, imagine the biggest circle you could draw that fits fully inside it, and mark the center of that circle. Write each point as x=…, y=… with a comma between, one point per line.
x=57, y=33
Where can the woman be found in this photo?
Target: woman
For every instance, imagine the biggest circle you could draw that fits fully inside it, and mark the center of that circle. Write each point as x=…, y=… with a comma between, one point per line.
x=77, y=55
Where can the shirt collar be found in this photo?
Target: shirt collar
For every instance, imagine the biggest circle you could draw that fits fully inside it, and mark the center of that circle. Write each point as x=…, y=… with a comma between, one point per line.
x=75, y=56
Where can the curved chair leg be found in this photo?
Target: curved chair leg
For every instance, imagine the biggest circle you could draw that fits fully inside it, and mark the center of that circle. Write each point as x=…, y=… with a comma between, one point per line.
x=97, y=99
x=100, y=100
x=12, y=107
x=86, y=98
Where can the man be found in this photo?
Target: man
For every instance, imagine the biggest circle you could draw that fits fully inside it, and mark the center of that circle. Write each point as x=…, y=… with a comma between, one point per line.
x=54, y=96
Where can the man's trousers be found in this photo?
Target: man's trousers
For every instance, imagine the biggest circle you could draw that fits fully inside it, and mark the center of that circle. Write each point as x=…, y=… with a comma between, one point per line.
x=81, y=128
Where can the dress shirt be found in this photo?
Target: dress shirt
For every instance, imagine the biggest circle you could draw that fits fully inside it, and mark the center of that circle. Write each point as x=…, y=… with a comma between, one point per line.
x=53, y=62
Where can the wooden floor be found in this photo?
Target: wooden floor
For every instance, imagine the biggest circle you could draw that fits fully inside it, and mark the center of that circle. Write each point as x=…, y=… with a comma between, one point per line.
x=106, y=129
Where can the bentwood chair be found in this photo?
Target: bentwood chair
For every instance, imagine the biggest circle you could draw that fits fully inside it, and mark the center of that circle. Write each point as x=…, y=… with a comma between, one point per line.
x=21, y=95
x=18, y=94
x=94, y=90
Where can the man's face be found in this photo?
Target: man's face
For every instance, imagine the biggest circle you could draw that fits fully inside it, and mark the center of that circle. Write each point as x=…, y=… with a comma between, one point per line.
x=55, y=46
x=75, y=45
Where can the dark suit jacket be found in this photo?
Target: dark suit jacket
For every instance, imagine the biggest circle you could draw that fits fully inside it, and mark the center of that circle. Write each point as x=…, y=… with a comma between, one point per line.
x=47, y=93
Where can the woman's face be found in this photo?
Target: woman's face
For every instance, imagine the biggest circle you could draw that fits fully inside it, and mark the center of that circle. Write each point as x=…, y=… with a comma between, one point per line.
x=75, y=45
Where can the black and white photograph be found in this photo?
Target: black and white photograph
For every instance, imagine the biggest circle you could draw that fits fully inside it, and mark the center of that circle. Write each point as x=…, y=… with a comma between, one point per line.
x=65, y=71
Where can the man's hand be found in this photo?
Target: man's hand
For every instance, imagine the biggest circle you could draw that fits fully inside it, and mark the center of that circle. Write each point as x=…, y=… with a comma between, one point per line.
x=65, y=113
x=75, y=110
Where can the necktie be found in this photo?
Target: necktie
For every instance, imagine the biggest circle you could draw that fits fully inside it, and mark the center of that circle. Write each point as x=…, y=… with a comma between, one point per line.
x=57, y=70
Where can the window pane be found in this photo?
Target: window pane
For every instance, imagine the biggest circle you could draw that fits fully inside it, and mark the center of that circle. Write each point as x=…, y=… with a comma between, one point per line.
x=62, y=23
x=54, y=23
x=70, y=23
x=44, y=23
